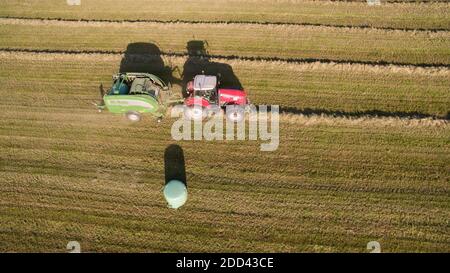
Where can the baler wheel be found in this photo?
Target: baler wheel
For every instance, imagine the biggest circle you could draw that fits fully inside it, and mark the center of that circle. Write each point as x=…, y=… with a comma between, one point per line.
x=133, y=116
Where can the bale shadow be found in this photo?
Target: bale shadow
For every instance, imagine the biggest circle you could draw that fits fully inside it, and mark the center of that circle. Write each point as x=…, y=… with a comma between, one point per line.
x=174, y=164
x=145, y=57
x=199, y=62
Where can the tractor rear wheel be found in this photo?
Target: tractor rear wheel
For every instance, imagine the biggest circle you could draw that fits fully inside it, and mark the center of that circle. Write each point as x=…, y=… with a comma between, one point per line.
x=196, y=113
x=235, y=113
x=133, y=116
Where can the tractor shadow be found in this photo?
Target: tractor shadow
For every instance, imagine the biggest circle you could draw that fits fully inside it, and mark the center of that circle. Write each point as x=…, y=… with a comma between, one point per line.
x=199, y=62
x=145, y=57
x=174, y=164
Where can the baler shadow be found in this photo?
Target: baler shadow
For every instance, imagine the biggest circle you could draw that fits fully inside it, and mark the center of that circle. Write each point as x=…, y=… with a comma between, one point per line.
x=174, y=164
x=145, y=57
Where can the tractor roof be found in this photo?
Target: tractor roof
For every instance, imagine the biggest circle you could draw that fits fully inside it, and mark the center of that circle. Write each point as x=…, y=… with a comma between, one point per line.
x=203, y=82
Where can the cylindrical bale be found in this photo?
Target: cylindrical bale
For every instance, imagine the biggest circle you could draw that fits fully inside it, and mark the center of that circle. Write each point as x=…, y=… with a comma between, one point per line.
x=175, y=193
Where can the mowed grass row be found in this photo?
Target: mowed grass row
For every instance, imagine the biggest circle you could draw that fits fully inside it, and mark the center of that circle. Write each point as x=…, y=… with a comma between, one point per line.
x=409, y=15
x=351, y=90
x=70, y=173
x=321, y=43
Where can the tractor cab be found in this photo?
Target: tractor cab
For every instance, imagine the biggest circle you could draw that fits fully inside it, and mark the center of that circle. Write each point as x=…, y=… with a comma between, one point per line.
x=205, y=95
x=203, y=86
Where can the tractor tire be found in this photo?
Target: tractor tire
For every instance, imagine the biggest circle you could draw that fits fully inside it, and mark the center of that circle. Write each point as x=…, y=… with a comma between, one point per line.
x=133, y=116
x=235, y=113
x=195, y=113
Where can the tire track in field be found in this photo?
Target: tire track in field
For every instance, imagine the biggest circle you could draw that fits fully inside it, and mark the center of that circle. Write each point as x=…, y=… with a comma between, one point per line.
x=217, y=22
x=231, y=57
x=368, y=114
x=385, y=1
x=305, y=117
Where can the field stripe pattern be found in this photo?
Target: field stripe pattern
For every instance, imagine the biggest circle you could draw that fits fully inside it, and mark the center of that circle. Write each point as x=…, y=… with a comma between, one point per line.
x=304, y=42
x=389, y=15
x=364, y=130
x=64, y=170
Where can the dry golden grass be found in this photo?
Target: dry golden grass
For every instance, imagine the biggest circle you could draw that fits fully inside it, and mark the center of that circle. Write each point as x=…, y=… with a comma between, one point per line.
x=342, y=175
x=285, y=41
x=288, y=29
x=334, y=184
x=297, y=67
x=390, y=15
x=78, y=176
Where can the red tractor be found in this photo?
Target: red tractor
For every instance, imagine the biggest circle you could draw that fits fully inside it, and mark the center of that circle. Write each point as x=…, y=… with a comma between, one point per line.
x=205, y=96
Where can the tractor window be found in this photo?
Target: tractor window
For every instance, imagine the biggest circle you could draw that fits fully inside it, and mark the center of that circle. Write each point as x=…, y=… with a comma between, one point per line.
x=199, y=93
x=210, y=95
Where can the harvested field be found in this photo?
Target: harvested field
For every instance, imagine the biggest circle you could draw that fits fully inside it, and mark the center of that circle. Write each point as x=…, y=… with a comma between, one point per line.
x=388, y=15
x=322, y=43
x=364, y=147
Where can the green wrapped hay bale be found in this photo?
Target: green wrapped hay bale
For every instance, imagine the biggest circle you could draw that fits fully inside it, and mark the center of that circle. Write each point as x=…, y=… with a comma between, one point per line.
x=175, y=193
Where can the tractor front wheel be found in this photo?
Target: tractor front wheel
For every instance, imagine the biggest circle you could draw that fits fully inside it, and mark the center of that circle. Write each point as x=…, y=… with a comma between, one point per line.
x=133, y=116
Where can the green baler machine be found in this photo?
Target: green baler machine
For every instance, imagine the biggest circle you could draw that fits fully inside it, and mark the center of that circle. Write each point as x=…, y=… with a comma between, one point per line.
x=134, y=94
